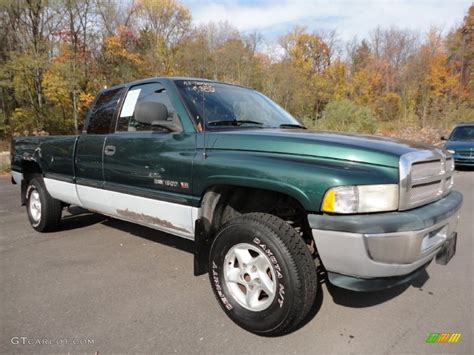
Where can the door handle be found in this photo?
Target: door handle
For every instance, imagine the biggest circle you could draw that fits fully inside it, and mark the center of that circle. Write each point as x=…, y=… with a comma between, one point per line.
x=109, y=150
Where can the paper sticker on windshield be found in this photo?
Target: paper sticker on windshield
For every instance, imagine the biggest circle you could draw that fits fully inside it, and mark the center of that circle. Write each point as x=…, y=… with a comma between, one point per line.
x=130, y=102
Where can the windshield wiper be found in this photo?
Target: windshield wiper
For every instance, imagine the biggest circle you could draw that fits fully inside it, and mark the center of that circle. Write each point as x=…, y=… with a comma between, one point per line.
x=290, y=125
x=232, y=122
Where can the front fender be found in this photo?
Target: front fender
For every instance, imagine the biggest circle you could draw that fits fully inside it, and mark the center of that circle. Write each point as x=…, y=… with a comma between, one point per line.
x=304, y=178
x=259, y=183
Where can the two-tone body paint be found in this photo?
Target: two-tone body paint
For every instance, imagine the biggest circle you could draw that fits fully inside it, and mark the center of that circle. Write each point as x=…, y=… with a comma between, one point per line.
x=159, y=178
x=299, y=163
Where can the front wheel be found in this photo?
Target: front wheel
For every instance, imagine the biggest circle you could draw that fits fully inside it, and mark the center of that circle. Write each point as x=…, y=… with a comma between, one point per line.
x=44, y=212
x=262, y=274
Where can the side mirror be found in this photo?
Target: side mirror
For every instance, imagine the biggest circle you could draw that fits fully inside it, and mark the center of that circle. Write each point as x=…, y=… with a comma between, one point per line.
x=443, y=138
x=155, y=114
x=149, y=112
x=169, y=125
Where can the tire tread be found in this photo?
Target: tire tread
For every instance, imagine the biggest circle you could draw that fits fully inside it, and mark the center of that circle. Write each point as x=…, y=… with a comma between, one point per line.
x=299, y=260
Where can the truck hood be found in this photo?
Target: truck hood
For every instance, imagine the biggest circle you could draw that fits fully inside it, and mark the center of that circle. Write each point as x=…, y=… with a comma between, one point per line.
x=348, y=147
x=459, y=145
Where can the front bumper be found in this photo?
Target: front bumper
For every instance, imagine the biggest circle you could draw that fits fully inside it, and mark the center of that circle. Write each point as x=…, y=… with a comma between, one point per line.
x=385, y=245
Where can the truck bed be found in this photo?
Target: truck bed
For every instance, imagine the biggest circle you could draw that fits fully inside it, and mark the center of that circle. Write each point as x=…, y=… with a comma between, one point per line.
x=54, y=154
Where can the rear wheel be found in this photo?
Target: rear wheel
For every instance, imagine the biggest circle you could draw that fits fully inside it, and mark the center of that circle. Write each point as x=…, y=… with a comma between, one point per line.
x=44, y=212
x=262, y=274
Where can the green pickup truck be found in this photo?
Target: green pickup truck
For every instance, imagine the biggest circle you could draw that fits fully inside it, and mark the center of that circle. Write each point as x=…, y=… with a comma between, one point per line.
x=269, y=205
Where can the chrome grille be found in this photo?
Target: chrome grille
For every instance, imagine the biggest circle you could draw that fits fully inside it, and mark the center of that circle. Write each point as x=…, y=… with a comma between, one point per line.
x=425, y=176
x=466, y=153
x=422, y=192
x=419, y=170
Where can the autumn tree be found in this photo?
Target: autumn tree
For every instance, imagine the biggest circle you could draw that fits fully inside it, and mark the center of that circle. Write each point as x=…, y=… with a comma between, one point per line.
x=310, y=56
x=460, y=43
x=113, y=15
x=56, y=55
x=32, y=24
x=167, y=23
x=432, y=84
x=308, y=51
x=122, y=58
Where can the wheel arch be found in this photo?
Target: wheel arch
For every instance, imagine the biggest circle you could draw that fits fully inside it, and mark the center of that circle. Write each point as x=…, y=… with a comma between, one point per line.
x=30, y=169
x=221, y=202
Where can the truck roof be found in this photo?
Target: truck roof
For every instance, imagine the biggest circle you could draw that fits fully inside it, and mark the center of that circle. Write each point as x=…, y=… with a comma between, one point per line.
x=461, y=124
x=167, y=78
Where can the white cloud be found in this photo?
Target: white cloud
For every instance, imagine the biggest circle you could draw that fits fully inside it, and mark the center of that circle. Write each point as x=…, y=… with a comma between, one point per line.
x=349, y=18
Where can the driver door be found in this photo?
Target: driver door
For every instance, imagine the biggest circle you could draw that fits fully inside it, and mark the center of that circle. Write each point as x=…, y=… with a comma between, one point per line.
x=148, y=170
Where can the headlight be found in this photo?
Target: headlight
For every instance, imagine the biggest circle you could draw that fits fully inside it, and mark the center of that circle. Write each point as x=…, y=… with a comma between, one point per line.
x=451, y=151
x=361, y=199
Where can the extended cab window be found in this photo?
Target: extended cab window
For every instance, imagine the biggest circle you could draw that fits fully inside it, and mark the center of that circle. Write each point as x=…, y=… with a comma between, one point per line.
x=103, y=112
x=138, y=97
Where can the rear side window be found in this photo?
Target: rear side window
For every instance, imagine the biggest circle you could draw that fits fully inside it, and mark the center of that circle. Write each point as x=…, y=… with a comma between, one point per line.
x=103, y=112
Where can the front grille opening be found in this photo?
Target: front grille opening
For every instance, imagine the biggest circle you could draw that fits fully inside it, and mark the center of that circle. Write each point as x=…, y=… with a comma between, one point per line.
x=423, y=169
x=427, y=184
x=426, y=191
x=426, y=162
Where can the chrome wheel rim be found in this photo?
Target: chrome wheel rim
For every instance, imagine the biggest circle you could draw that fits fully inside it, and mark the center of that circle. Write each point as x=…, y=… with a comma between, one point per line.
x=249, y=277
x=34, y=206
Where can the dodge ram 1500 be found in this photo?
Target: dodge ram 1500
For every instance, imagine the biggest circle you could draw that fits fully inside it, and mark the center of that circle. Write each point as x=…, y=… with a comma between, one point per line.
x=265, y=201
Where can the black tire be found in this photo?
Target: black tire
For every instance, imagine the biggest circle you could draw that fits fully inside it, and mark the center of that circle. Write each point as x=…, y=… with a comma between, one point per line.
x=296, y=278
x=48, y=217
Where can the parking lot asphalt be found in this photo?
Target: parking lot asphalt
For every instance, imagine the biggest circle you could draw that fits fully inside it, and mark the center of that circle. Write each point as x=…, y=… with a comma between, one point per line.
x=107, y=286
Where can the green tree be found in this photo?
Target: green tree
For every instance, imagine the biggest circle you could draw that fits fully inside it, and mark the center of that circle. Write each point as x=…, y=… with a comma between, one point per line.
x=344, y=115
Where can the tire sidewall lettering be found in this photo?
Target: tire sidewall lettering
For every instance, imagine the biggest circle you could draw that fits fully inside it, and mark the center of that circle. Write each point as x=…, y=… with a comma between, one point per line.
x=268, y=236
x=218, y=288
x=276, y=267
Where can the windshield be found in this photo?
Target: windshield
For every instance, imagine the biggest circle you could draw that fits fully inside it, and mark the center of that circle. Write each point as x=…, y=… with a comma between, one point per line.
x=217, y=105
x=464, y=133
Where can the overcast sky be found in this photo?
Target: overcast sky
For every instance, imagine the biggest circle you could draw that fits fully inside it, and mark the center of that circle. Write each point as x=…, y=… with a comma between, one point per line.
x=349, y=18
